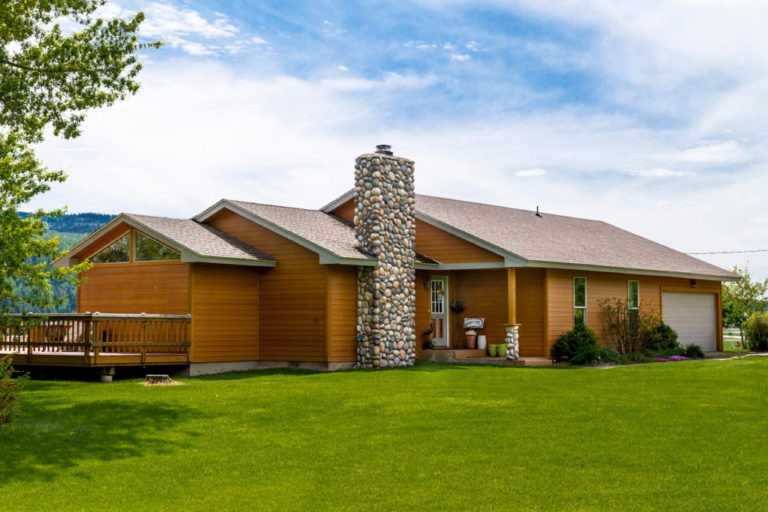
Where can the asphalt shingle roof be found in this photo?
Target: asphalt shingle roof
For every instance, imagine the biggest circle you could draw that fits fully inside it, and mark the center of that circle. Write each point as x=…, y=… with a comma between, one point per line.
x=561, y=240
x=200, y=239
x=314, y=226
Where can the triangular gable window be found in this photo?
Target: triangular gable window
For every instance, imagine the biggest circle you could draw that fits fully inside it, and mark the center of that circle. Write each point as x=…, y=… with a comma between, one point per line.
x=148, y=249
x=116, y=252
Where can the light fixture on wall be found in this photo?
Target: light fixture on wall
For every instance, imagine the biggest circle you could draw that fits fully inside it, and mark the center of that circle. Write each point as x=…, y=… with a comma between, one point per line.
x=693, y=283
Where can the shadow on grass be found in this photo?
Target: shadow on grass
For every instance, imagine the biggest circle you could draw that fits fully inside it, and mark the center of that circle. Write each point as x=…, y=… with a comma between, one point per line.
x=50, y=436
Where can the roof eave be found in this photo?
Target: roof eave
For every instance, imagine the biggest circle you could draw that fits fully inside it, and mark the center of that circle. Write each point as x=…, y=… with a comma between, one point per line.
x=191, y=257
x=634, y=271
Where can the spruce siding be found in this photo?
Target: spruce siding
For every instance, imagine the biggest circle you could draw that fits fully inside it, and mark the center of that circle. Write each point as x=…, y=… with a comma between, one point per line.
x=342, y=314
x=601, y=286
x=154, y=288
x=423, y=308
x=530, y=312
x=346, y=211
x=484, y=293
x=292, y=319
x=447, y=248
x=225, y=313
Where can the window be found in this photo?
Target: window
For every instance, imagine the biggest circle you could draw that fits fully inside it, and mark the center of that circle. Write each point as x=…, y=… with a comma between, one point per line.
x=579, y=300
x=633, y=305
x=150, y=250
x=633, y=294
x=116, y=252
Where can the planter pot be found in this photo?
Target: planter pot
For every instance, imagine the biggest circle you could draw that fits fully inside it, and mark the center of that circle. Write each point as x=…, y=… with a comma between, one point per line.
x=492, y=350
x=501, y=350
x=471, y=341
x=481, y=341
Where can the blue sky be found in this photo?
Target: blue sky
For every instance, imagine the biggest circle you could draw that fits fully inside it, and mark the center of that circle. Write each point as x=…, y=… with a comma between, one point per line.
x=650, y=116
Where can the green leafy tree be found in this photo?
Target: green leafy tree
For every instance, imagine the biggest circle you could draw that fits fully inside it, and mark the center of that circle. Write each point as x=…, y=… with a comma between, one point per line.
x=58, y=59
x=744, y=297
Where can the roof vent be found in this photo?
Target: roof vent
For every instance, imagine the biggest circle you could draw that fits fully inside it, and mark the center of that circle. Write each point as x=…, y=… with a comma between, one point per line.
x=384, y=149
x=538, y=214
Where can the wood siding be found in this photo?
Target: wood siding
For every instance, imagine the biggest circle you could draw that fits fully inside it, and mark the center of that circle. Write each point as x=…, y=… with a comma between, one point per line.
x=346, y=211
x=292, y=320
x=530, y=312
x=225, y=313
x=600, y=286
x=484, y=293
x=160, y=288
x=423, y=311
x=447, y=248
x=341, y=314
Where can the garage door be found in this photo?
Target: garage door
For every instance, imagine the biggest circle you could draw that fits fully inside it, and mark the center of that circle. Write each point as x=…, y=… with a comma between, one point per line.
x=693, y=316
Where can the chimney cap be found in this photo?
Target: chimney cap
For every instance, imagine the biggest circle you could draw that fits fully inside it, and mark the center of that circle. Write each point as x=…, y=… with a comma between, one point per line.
x=384, y=149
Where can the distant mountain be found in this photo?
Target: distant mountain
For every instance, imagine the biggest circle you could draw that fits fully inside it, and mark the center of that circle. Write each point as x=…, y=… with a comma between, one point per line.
x=70, y=228
x=83, y=223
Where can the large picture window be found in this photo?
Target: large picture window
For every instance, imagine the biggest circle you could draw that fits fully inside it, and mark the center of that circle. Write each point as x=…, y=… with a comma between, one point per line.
x=579, y=300
x=116, y=252
x=148, y=249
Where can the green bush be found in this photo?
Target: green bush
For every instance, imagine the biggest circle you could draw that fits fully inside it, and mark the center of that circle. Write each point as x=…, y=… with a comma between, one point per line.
x=660, y=337
x=756, y=331
x=693, y=351
x=609, y=356
x=577, y=346
x=9, y=391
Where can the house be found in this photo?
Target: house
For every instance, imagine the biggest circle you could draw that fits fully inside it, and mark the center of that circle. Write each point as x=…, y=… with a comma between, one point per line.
x=359, y=281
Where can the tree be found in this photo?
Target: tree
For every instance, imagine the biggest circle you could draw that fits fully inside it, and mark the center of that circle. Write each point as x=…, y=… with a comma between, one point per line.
x=58, y=59
x=743, y=297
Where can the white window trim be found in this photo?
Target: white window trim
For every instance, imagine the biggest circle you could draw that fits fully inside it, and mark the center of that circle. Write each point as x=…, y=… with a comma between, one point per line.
x=636, y=308
x=573, y=300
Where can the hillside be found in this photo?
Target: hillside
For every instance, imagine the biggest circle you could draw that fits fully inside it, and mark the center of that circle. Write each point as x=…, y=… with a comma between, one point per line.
x=70, y=229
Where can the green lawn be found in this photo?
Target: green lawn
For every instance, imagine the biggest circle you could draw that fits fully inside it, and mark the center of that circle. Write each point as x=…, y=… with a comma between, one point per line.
x=664, y=436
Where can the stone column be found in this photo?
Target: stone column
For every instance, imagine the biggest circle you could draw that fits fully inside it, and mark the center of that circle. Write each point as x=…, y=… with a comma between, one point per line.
x=513, y=341
x=385, y=229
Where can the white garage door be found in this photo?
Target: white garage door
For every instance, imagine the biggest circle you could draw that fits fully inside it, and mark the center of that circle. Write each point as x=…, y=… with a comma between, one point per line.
x=693, y=316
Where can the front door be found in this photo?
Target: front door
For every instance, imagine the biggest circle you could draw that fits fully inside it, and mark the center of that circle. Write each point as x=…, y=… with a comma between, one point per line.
x=439, y=303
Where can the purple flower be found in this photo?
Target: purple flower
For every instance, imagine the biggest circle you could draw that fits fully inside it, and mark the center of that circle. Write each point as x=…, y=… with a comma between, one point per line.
x=661, y=359
x=677, y=358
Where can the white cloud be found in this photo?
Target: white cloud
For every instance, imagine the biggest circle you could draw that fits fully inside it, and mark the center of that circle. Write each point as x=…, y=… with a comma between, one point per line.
x=530, y=173
x=258, y=40
x=342, y=68
x=164, y=20
x=460, y=57
x=715, y=152
x=662, y=173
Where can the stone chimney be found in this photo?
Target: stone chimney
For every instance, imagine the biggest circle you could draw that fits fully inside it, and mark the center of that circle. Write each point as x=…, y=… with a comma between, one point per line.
x=385, y=227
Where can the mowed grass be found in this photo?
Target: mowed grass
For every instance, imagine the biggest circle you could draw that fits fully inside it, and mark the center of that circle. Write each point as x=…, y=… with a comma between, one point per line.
x=665, y=436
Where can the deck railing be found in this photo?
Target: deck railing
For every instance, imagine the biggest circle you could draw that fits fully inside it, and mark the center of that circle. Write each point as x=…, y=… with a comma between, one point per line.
x=91, y=334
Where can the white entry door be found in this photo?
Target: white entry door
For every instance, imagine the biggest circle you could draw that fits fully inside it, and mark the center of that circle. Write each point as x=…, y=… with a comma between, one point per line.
x=439, y=303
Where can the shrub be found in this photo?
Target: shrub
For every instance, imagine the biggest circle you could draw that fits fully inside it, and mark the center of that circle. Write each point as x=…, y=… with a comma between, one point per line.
x=609, y=356
x=623, y=328
x=693, y=351
x=756, y=331
x=578, y=346
x=9, y=391
x=659, y=337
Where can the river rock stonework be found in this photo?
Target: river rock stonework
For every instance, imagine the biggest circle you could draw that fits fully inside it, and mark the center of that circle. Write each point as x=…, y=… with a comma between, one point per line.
x=385, y=227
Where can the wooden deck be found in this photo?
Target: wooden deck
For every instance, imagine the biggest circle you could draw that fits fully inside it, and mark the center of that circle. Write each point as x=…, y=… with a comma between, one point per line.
x=96, y=340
